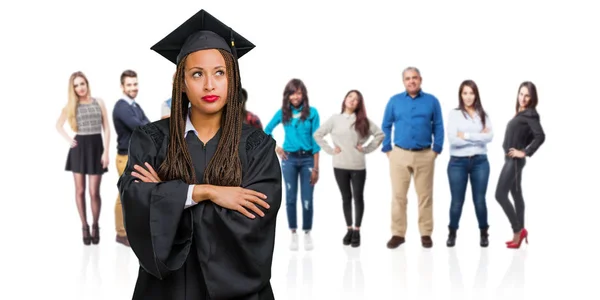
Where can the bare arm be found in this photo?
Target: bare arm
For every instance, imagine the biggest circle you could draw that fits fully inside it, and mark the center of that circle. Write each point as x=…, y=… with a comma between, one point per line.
x=60, y=123
x=105, y=126
x=202, y=192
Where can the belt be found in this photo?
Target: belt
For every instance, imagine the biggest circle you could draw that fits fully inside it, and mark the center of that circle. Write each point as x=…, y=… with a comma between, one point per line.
x=301, y=153
x=414, y=149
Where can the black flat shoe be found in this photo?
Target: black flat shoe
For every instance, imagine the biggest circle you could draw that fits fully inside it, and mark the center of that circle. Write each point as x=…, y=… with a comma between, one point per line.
x=348, y=237
x=355, y=241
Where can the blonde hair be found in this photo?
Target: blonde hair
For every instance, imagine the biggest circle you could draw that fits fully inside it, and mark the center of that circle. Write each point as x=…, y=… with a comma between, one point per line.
x=73, y=100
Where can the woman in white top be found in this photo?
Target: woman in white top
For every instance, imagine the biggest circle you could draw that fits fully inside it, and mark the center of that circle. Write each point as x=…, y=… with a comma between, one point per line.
x=469, y=131
x=349, y=131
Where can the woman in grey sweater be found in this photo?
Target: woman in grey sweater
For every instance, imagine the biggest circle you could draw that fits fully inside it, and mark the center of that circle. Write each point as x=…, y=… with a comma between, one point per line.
x=349, y=131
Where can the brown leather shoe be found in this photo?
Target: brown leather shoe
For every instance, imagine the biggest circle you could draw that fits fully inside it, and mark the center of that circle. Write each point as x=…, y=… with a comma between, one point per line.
x=395, y=241
x=123, y=240
x=426, y=241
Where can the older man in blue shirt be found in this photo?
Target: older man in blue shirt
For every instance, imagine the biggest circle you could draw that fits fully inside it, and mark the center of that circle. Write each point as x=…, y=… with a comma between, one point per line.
x=418, y=138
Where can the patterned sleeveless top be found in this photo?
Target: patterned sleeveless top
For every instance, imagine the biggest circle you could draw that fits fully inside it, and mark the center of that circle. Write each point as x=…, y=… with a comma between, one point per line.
x=89, y=118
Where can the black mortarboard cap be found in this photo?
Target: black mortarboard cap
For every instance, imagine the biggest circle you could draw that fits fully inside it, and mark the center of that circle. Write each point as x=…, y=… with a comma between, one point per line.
x=201, y=31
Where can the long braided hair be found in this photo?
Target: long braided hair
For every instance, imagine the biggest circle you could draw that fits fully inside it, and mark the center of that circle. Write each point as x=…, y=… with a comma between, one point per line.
x=225, y=168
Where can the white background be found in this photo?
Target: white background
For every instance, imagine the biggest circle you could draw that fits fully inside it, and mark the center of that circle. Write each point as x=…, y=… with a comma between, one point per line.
x=333, y=47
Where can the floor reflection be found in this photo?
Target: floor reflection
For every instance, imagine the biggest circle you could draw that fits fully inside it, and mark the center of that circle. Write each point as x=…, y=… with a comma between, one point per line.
x=305, y=290
x=354, y=278
x=481, y=276
x=399, y=271
x=457, y=286
x=89, y=279
x=425, y=269
x=512, y=285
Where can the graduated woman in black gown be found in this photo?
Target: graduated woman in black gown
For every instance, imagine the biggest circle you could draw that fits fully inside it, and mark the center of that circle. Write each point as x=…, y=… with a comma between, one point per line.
x=202, y=190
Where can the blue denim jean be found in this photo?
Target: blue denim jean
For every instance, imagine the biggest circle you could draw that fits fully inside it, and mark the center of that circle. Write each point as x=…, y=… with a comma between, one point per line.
x=460, y=170
x=294, y=168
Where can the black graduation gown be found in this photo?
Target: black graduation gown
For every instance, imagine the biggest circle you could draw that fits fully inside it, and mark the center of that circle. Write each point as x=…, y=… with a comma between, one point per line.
x=205, y=251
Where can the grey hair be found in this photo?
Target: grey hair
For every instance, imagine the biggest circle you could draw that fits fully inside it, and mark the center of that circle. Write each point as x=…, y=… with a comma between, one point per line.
x=411, y=69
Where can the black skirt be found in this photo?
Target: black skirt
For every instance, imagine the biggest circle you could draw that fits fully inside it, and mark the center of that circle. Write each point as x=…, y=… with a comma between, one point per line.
x=86, y=157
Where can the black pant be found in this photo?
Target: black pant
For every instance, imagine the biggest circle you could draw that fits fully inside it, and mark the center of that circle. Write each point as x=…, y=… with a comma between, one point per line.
x=510, y=181
x=352, y=182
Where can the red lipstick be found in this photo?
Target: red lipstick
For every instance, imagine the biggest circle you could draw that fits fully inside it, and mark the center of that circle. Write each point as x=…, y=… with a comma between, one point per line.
x=210, y=98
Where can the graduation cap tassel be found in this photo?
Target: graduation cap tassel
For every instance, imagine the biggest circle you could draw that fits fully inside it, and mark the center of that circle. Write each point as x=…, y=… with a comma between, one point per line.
x=233, y=50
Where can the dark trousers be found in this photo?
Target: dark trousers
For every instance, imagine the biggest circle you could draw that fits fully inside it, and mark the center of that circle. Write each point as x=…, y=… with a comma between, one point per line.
x=460, y=171
x=298, y=168
x=510, y=181
x=352, y=183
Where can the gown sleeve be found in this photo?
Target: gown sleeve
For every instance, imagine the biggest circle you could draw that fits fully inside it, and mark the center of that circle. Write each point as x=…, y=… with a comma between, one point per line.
x=241, y=249
x=158, y=228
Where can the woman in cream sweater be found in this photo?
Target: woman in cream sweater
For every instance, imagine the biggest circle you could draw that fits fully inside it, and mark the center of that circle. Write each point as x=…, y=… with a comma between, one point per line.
x=349, y=131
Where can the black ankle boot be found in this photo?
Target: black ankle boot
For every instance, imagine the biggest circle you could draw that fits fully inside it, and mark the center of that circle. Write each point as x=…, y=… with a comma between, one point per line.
x=484, y=242
x=348, y=237
x=451, y=238
x=355, y=241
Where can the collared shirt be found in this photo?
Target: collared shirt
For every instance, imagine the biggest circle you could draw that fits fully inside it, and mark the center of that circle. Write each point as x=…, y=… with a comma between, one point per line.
x=165, y=108
x=475, y=141
x=128, y=99
x=417, y=122
x=127, y=116
x=190, y=127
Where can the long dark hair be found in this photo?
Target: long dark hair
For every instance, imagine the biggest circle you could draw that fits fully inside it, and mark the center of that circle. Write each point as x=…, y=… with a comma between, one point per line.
x=290, y=88
x=476, y=103
x=244, y=99
x=533, y=96
x=224, y=168
x=361, y=125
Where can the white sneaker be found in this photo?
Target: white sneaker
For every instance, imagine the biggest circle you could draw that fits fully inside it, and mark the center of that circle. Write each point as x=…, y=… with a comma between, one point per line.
x=308, y=242
x=294, y=243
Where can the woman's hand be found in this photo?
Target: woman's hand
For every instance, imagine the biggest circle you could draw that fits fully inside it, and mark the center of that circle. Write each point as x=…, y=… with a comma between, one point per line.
x=512, y=152
x=239, y=199
x=337, y=150
x=314, y=176
x=360, y=148
x=281, y=153
x=461, y=135
x=73, y=143
x=145, y=175
x=104, y=160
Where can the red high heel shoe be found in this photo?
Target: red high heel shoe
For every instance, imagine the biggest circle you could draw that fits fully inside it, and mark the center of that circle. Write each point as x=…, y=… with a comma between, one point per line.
x=523, y=236
x=510, y=242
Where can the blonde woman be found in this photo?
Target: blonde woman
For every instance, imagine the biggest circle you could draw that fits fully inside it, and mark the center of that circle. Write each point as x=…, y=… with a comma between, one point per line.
x=88, y=154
